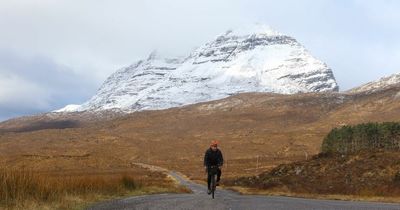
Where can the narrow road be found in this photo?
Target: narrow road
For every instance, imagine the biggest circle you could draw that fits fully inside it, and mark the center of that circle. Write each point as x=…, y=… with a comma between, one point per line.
x=224, y=199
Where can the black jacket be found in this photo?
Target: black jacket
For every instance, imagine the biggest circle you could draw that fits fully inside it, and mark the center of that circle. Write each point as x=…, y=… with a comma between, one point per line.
x=212, y=158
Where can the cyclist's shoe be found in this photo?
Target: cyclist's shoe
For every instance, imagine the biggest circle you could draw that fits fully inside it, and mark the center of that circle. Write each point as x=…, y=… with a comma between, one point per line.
x=208, y=191
x=217, y=184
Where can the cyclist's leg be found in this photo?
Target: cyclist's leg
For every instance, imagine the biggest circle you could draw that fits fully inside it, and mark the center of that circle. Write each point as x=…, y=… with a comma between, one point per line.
x=219, y=174
x=208, y=179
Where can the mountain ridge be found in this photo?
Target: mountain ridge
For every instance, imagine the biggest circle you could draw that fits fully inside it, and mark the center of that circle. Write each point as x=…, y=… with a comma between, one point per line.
x=382, y=83
x=258, y=59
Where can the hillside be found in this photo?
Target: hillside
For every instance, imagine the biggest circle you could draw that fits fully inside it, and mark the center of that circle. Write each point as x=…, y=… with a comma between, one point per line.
x=360, y=174
x=270, y=128
x=360, y=160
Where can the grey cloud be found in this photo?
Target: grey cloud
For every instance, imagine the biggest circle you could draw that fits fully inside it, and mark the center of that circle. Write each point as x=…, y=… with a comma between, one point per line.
x=38, y=84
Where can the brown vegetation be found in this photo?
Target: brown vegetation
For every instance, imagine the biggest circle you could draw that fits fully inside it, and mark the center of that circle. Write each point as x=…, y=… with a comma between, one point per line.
x=26, y=189
x=257, y=132
x=364, y=173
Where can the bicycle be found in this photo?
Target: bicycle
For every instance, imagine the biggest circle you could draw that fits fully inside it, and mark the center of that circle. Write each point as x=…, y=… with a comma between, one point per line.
x=213, y=172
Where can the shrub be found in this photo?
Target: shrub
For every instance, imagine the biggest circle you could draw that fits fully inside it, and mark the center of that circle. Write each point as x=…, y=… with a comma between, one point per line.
x=367, y=136
x=129, y=183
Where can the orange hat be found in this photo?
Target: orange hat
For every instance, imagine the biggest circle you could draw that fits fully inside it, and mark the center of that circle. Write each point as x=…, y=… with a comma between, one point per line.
x=214, y=143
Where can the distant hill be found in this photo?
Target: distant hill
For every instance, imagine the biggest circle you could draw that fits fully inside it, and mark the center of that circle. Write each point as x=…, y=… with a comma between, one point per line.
x=379, y=84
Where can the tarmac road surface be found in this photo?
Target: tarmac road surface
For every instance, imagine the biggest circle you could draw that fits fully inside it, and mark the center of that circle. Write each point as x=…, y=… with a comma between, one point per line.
x=225, y=199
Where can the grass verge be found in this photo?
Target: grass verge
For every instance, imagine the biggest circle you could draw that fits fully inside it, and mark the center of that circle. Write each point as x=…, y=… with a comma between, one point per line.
x=26, y=189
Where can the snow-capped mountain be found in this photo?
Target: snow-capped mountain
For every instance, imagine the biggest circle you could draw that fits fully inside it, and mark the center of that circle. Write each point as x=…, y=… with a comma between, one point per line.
x=380, y=84
x=256, y=59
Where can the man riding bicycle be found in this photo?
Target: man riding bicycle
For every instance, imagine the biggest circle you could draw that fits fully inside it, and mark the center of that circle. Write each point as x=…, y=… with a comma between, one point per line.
x=213, y=158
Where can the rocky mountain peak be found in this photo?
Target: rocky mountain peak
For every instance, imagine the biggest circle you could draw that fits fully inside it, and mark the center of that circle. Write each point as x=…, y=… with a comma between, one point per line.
x=252, y=59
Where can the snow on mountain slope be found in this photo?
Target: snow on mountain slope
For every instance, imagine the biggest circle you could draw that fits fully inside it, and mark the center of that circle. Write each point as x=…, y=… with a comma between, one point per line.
x=256, y=59
x=69, y=108
x=129, y=86
x=382, y=83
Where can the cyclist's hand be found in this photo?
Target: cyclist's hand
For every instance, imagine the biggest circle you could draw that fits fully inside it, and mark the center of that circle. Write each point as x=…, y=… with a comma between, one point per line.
x=205, y=169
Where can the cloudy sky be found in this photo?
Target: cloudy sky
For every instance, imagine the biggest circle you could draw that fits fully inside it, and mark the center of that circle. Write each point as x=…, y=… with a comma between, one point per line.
x=54, y=53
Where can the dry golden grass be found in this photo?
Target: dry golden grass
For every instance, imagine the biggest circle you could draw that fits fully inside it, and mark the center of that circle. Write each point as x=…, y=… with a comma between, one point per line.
x=26, y=189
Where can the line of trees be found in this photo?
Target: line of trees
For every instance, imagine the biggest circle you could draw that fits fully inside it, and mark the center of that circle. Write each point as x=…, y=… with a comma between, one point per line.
x=366, y=136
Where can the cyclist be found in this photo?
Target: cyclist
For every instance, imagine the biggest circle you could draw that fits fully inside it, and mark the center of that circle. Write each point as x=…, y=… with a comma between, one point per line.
x=213, y=157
